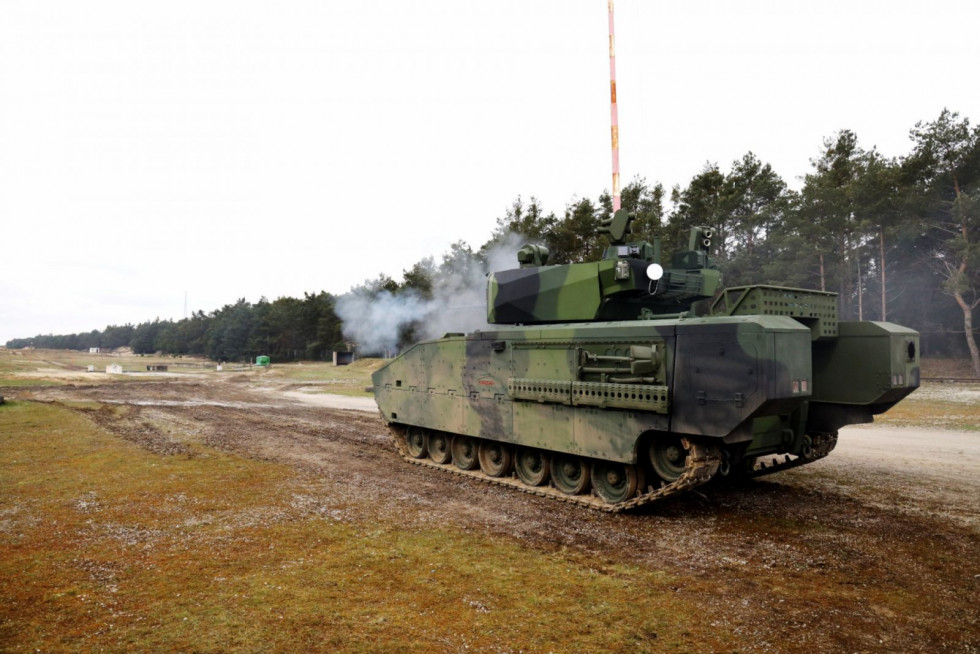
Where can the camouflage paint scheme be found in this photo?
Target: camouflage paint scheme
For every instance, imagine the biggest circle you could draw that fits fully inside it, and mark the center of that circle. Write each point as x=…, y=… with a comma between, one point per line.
x=730, y=378
x=609, y=356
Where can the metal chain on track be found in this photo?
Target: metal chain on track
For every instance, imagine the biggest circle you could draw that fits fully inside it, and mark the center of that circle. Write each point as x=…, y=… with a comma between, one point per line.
x=821, y=446
x=701, y=464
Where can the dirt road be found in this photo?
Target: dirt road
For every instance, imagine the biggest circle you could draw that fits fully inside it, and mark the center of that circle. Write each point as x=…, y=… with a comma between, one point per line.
x=811, y=558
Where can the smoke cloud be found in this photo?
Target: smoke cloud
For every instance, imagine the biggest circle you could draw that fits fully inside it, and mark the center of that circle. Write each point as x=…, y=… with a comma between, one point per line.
x=376, y=320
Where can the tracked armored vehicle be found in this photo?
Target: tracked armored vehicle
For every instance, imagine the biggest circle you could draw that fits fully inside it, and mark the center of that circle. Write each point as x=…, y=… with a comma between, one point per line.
x=618, y=382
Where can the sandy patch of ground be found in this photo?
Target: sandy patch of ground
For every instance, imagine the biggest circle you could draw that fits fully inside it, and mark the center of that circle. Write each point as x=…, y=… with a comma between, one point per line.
x=330, y=401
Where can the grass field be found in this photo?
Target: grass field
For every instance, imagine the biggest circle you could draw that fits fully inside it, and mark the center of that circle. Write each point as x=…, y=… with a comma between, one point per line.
x=105, y=546
x=353, y=379
x=48, y=367
x=938, y=406
x=55, y=361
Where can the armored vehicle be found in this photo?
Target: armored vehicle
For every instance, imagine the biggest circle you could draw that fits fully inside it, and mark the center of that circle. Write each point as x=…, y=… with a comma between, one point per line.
x=618, y=382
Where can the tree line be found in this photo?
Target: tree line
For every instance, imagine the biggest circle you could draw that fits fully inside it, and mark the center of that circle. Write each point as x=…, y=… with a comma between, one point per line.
x=897, y=238
x=286, y=329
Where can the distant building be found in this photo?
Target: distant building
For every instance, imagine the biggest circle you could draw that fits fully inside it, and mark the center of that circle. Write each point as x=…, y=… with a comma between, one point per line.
x=94, y=350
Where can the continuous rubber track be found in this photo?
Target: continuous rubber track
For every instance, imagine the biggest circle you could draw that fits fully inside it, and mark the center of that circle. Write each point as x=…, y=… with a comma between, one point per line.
x=700, y=466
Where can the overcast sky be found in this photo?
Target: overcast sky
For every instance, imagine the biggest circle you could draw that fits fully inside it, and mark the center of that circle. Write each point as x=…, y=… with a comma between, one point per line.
x=227, y=149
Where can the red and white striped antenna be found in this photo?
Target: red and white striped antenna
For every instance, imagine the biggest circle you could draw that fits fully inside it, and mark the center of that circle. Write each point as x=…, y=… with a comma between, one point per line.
x=614, y=114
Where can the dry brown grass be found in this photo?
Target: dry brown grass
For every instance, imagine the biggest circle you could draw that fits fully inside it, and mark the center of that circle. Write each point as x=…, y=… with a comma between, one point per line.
x=213, y=529
x=104, y=545
x=936, y=405
x=353, y=379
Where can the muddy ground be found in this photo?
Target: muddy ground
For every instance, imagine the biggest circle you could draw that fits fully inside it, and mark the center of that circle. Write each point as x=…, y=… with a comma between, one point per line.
x=876, y=548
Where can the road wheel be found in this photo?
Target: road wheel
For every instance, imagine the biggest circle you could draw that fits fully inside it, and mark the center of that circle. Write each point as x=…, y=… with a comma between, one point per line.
x=415, y=442
x=532, y=466
x=464, y=452
x=495, y=458
x=615, y=482
x=570, y=474
x=438, y=446
x=668, y=457
x=806, y=451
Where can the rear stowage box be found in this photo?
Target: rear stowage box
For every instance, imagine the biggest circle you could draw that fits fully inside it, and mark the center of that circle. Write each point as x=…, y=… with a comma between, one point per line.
x=865, y=371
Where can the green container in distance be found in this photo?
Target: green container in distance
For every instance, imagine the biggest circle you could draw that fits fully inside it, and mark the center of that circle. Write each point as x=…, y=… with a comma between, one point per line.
x=262, y=360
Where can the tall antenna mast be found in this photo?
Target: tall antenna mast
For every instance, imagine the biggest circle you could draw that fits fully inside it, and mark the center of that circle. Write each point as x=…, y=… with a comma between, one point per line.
x=614, y=114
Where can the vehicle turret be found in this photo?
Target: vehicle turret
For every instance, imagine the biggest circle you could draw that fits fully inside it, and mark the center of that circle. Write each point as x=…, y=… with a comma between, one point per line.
x=628, y=283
